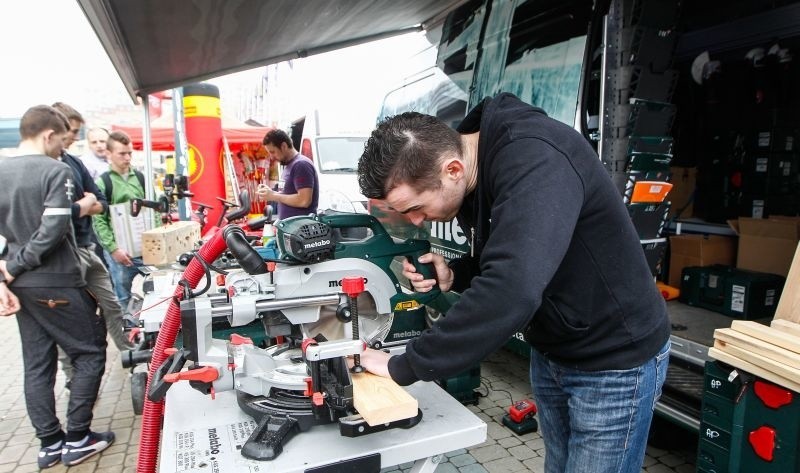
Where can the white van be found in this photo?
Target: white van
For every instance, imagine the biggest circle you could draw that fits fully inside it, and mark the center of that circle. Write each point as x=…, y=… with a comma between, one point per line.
x=335, y=158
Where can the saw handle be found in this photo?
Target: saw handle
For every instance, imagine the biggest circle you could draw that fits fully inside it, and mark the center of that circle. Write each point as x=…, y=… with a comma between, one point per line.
x=427, y=270
x=351, y=220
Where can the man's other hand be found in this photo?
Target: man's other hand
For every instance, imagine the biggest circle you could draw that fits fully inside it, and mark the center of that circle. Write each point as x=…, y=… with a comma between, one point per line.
x=122, y=257
x=444, y=275
x=9, y=304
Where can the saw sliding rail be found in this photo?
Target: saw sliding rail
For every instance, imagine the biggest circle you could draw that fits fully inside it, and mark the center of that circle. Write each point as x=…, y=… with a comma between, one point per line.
x=279, y=304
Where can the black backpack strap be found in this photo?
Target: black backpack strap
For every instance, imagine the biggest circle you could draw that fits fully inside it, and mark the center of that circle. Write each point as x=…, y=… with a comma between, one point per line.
x=140, y=176
x=106, y=177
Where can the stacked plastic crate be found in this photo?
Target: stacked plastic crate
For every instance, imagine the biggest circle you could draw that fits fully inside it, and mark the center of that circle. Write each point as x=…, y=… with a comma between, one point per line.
x=637, y=113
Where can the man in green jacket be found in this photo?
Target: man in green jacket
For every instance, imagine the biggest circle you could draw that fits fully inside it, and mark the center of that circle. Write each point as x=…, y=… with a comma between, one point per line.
x=126, y=185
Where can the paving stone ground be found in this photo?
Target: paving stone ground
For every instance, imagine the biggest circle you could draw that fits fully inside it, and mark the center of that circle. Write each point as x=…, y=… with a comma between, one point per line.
x=504, y=377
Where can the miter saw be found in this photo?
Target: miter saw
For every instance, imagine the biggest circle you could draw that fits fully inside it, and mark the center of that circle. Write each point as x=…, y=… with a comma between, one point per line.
x=323, y=299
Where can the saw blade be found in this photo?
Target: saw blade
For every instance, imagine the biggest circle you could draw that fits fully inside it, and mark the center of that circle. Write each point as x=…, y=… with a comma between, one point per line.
x=372, y=326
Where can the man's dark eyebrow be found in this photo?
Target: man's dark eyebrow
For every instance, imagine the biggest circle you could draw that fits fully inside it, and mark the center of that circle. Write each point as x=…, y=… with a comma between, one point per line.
x=415, y=207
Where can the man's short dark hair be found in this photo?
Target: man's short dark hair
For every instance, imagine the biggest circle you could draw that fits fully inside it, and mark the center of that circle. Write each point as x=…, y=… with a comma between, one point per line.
x=406, y=149
x=40, y=118
x=69, y=112
x=117, y=137
x=276, y=137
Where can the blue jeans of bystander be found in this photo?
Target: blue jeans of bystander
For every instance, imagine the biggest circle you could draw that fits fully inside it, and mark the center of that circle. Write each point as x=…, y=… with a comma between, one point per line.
x=122, y=276
x=596, y=421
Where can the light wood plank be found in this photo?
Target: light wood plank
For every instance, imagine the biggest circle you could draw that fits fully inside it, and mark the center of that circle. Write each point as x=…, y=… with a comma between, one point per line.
x=786, y=326
x=789, y=304
x=749, y=367
x=768, y=334
x=760, y=347
x=380, y=400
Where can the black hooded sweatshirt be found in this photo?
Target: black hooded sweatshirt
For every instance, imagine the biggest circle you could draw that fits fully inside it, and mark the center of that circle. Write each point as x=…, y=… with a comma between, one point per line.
x=554, y=255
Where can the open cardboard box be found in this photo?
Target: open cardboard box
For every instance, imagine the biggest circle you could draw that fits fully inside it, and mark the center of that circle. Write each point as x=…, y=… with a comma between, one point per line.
x=766, y=245
x=698, y=250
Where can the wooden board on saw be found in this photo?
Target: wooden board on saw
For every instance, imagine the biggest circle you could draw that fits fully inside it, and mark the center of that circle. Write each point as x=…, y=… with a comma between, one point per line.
x=786, y=326
x=789, y=304
x=728, y=357
x=380, y=400
x=745, y=342
x=768, y=334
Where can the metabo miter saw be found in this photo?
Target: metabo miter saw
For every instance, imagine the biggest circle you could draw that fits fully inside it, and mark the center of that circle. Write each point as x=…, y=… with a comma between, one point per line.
x=324, y=298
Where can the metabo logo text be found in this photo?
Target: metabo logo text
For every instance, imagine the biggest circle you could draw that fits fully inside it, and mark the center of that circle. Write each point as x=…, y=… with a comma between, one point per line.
x=316, y=244
x=406, y=334
x=213, y=441
x=339, y=283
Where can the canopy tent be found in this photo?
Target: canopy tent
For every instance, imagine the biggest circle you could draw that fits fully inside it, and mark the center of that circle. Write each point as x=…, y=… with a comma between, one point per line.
x=162, y=135
x=157, y=45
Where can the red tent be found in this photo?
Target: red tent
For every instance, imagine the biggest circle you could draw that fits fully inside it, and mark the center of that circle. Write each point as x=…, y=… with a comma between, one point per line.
x=162, y=133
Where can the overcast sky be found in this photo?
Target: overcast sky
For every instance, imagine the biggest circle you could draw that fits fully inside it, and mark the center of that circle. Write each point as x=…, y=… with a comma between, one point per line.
x=49, y=53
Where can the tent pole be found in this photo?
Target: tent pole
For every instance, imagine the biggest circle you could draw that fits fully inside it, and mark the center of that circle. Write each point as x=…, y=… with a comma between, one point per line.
x=148, y=152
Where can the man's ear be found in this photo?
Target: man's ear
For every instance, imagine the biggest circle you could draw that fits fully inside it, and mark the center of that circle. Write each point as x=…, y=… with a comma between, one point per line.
x=453, y=168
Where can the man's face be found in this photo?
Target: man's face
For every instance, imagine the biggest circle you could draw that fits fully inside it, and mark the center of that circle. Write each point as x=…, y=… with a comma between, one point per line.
x=120, y=155
x=54, y=143
x=278, y=152
x=438, y=205
x=72, y=134
x=97, y=142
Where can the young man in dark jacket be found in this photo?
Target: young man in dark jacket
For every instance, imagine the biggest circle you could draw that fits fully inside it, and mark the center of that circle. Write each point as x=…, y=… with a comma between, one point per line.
x=43, y=270
x=553, y=254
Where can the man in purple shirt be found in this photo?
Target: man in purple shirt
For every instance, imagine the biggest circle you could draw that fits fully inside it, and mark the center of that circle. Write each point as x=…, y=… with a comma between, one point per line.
x=300, y=194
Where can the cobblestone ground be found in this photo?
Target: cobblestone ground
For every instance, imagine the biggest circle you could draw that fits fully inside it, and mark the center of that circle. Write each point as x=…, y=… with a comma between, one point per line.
x=504, y=378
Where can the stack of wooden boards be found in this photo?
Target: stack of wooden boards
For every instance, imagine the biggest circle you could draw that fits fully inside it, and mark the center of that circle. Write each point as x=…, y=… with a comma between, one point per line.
x=770, y=352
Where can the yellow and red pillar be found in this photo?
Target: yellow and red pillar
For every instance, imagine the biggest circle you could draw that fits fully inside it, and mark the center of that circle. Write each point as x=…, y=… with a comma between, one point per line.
x=203, y=122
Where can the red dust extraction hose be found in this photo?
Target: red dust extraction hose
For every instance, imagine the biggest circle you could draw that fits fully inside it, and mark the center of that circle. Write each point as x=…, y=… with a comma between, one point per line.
x=154, y=411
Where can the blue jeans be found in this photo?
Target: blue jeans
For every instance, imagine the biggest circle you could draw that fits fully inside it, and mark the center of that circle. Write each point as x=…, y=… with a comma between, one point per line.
x=122, y=277
x=596, y=421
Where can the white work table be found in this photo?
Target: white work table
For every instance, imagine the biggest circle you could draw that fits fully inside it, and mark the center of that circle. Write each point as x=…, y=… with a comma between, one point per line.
x=192, y=422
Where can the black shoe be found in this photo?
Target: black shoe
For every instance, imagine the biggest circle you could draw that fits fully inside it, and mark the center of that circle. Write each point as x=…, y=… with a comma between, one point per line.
x=49, y=457
x=95, y=443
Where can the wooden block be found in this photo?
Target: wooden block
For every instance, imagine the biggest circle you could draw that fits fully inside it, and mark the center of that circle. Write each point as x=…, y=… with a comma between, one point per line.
x=380, y=400
x=786, y=326
x=733, y=360
x=789, y=304
x=767, y=334
x=759, y=347
x=162, y=245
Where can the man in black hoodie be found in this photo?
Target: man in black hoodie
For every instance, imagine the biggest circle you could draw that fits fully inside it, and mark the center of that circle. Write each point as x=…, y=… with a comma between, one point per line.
x=554, y=254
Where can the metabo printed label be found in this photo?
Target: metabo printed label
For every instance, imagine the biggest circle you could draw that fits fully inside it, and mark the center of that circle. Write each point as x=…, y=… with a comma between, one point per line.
x=215, y=449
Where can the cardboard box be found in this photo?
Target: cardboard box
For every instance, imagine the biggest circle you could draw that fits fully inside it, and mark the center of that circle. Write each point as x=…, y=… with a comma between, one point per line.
x=163, y=245
x=684, y=181
x=698, y=250
x=766, y=245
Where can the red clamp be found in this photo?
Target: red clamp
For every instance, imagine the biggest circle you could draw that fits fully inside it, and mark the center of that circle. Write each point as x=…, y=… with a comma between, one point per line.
x=205, y=374
x=306, y=343
x=271, y=266
x=353, y=285
x=237, y=339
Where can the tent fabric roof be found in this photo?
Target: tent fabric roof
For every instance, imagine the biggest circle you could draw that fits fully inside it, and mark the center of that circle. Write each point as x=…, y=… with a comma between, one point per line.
x=156, y=45
x=162, y=134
